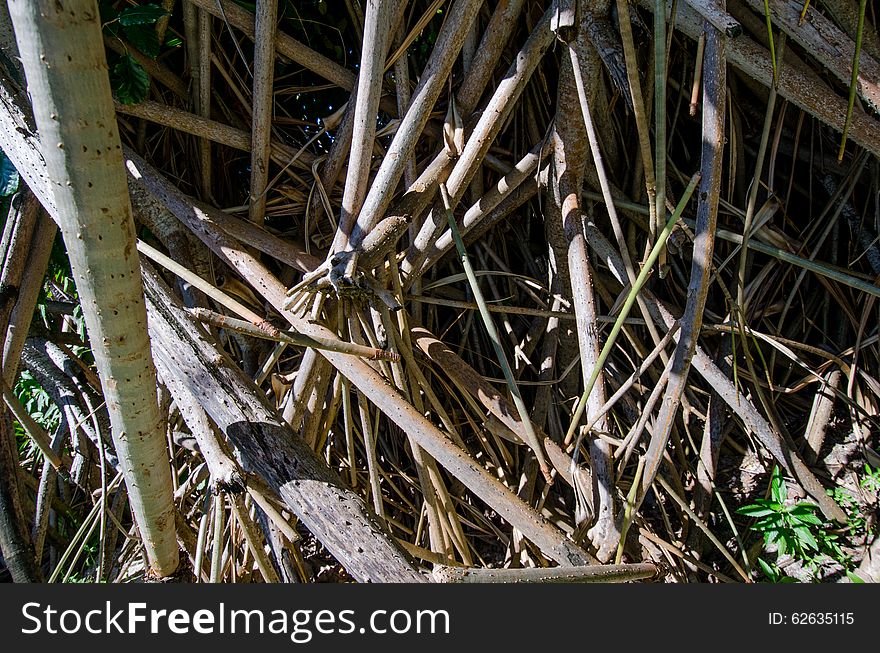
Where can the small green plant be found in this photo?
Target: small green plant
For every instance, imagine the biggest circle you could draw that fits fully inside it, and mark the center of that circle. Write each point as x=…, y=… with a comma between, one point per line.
x=796, y=530
x=857, y=520
x=38, y=404
x=789, y=528
x=871, y=480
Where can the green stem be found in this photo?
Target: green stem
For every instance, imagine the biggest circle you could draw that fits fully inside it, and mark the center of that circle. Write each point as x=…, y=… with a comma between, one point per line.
x=854, y=81
x=524, y=416
x=630, y=300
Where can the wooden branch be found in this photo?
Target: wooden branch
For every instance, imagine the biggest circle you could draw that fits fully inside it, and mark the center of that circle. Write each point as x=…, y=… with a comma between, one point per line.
x=711, y=168
x=484, y=132
x=375, y=44
x=39, y=251
x=285, y=45
x=63, y=55
x=263, y=105
x=739, y=404
x=212, y=130
x=466, y=378
x=825, y=42
x=436, y=443
x=803, y=88
x=585, y=574
x=264, y=443
x=432, y=82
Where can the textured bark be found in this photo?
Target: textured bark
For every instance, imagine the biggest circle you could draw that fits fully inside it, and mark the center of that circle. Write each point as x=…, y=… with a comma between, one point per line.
x=15, y=542
x=264, y=101
x=64, y=60
x=39, y=250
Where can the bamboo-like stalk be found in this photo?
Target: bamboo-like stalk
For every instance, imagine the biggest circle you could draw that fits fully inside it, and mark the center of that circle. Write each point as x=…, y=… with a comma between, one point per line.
x=753, y=191
x=640, y=112
x=800, y=86
x=378, y=18
x=63, y=55
x=218, y=524
x=372, y=386
x=432, y=82
x=854, y=80
x=337, y=516
x=628, y=304
x=659, y=116
x=286, y=46
x=263, y=103
x=714, y=98
x=493, y=117
x=212, y=130
x=28, y=293
x=753, y=421
x=252, y=537
x=839, y=54
x=255, y=325
x=434, y=249
x=203, y=98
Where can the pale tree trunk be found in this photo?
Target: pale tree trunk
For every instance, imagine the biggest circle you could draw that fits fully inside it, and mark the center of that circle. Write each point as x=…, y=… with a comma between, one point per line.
x=63, y=54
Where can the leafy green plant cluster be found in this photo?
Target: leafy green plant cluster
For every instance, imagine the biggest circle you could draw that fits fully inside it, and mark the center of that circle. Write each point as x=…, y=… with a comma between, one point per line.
x=871, y=481
x=796, y=530
x=38, y=404
x=860, y=523
x=134, y=26
x=59, y=286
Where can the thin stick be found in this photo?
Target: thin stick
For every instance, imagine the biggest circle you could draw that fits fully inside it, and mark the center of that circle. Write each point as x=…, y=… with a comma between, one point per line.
x=530, y=434
x=32, y=428
x=753, y=191
x=638, y=102
x=698, y=71
x=369, y=89
x=203, y=97
x=854, y=81
x=265, y=330
x=263, y=101
x=660, y=109
x=628, y=304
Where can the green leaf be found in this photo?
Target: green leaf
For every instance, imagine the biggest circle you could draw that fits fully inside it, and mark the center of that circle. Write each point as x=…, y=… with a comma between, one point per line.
x=769, y=571
x=802, y=508
x=777, y=486
x=808, y=518
x=129, y=80
x=854, y=578
x=771, y=522
x=773, y=536
x=143, y=15
x=760, y=508
x=8, y=176
x=806, y=537
x=144, y=38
